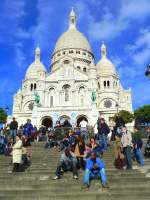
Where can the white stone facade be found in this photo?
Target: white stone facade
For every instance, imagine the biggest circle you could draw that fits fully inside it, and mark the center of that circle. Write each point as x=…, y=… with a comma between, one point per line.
x=66, y=90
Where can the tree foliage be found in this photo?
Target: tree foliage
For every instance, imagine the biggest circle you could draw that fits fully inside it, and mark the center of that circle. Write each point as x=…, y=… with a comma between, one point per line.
x=142, y=114
x=127, y=116
x=3, y=116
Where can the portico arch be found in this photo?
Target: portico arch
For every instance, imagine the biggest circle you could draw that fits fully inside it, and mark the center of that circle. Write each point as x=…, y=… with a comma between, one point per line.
x=47, y=122
x=63, y=118
x=80, y=118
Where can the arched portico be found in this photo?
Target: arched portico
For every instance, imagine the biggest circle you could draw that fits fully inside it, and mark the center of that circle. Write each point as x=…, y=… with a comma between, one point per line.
x=47, y=122
x=80, y=118
x=63, y=118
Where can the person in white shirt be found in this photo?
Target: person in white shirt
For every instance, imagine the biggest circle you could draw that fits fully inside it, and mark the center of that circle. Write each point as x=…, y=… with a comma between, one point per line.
x=17, y=154
x=126, y=141
x=83, y=128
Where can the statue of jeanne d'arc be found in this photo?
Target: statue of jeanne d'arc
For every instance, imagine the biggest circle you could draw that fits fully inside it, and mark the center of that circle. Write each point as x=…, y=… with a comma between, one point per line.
x=36, y=98
x=93, y=96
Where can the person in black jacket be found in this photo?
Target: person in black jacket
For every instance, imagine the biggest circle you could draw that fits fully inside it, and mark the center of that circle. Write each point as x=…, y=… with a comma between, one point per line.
x=119, y=121
x=13, y=129
x=103, y=131
x=137, y=145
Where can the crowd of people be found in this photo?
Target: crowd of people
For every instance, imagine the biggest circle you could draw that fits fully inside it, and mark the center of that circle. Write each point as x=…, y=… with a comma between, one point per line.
x=78, y=148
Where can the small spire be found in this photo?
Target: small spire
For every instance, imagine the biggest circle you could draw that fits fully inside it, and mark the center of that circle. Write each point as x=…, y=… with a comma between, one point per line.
x=37, y=53
x=72, y=19
x=103, y=50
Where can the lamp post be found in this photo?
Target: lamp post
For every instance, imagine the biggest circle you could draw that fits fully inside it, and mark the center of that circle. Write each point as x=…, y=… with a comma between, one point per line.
x=117, y=107
x=7, y=109
x=147, y=73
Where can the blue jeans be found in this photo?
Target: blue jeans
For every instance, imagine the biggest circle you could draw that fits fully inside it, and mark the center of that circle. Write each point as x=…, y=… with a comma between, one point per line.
x=13, y=134
x=88, y=175
x=128, y=156
x=139, y=156
x=103, y=141
x=84, y=133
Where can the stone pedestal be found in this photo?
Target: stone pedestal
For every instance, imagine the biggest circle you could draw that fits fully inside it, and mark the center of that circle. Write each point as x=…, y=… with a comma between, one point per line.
x=34, y=114
x=94, y=116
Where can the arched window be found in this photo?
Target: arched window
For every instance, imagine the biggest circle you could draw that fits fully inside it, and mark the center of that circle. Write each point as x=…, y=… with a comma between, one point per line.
x=83, y=53
x=77, y=52
x=84, y=69
x=114, y=84
x=51, y=97
x=34, y=86
x=104, y=83
x=82, y=100
x=66, y=89
x=81, y=95
x=108, y=83
x=98, y=85
x=78, y=67
x=71, y=51
x=81, y=90
x=31, y=87
x=51, y=101
x=66, y=62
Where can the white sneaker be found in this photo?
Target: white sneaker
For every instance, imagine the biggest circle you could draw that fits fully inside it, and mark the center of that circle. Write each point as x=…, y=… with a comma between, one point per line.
x=56, y=177
x=75, y=177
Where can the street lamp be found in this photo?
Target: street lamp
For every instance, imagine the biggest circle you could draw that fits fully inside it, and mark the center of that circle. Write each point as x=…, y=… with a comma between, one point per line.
x=117, y=106
x=147, y=73
x=7, y=109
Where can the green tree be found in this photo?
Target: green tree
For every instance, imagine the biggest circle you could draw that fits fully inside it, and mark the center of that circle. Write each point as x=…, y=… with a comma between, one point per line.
x=127, y=116
x=3, y=116
x=142, y=114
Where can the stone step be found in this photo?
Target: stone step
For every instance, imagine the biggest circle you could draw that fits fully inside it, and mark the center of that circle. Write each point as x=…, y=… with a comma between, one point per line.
x=36, y=182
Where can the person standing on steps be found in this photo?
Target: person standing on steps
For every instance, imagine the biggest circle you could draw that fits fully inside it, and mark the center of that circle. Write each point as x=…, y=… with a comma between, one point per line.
x=126, y=141
x=137, y=146
x=27, y=131
x=95, y=169
x=17, y=154
x=83, y=128
x=13, y=129
x=67, y=162
x=103, y=131
x=119, y=123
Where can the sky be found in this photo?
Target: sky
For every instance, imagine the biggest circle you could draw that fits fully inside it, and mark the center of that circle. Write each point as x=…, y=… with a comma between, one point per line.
x=122, y=24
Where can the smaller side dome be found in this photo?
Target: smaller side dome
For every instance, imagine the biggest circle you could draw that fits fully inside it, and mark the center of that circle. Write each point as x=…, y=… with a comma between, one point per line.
x=105, y=66
x=36, y=66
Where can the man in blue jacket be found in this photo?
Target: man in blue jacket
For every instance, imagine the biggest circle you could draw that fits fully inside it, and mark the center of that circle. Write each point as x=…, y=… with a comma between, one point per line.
x=95, y=169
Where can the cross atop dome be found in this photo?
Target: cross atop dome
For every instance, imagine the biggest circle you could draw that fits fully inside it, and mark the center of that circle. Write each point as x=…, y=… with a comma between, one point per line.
x=37, y=53
x=103, y=50
x=72, y=19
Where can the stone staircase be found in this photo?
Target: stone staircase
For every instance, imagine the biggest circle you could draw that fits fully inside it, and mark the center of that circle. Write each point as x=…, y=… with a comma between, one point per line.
x=36, y=182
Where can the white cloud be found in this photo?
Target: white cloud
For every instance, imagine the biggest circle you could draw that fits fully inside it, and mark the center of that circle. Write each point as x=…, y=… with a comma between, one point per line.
x=113, y=24
x=10, y=15
x=20, y=56
x=116, y=61
x=136, y=10
x=12, y=33
x=140, y=49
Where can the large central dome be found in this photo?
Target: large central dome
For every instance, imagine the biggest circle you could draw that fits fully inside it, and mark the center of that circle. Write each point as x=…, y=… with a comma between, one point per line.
x=72, y=38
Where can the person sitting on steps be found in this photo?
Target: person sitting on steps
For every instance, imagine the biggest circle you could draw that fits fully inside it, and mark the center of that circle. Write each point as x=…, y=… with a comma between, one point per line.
x=94, y=169
x=67, y=162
